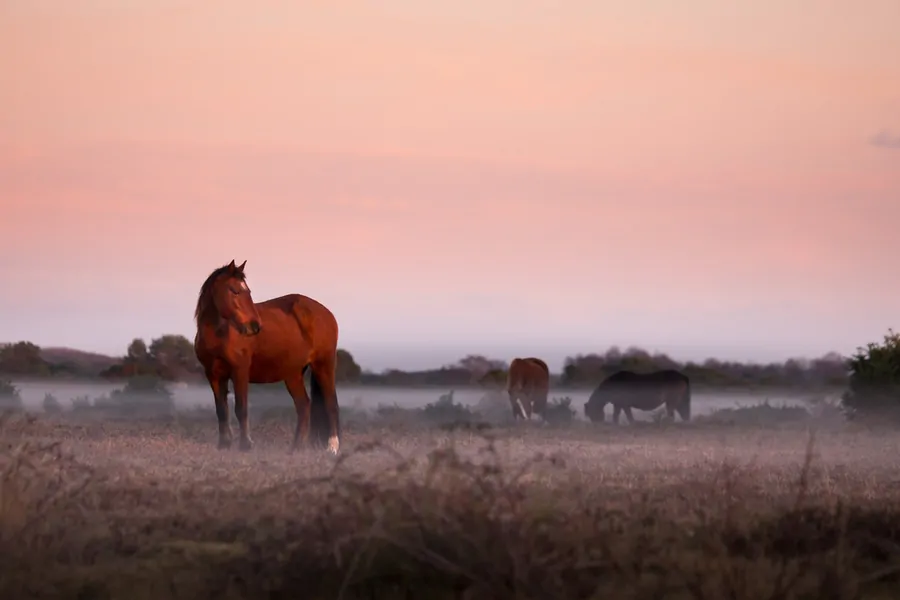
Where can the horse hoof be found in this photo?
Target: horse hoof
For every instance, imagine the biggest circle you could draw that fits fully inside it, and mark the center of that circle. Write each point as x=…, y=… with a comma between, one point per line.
x=224, y=443
x=333, y=445
x=246, y=445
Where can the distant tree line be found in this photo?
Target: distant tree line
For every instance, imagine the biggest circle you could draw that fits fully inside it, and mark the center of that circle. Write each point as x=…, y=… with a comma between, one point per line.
x=587, y=370
x=171, y=358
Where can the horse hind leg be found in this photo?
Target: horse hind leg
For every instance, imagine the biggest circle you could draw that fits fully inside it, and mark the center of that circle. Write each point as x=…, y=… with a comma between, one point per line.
x=324, y=395
x=302, y=405
x=617, y=412
x=670, y=405
x=683, y=405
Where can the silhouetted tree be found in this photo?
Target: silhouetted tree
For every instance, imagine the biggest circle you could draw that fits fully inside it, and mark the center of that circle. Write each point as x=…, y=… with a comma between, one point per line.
x=23, y=358
x=173, y=356
x=137, y=351
x=874, y=384
x=347, y=370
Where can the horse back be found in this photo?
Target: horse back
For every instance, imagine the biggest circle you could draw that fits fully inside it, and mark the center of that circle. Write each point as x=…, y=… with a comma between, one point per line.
x=528, y=373
x=295, y=314
x=646, y=391
x=296, y=331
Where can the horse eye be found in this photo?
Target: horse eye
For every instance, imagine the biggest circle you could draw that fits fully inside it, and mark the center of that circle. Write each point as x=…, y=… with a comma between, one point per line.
x=234, y=291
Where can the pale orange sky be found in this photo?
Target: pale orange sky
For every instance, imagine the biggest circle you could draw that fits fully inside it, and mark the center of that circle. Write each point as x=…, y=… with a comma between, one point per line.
x=701, y=178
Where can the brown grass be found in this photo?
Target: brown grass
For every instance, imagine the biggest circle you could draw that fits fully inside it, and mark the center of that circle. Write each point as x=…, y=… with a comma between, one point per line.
x=153, y=510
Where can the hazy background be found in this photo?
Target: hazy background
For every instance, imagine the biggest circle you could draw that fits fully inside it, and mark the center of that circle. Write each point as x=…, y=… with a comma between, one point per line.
x=509, y=178
x=369, y=398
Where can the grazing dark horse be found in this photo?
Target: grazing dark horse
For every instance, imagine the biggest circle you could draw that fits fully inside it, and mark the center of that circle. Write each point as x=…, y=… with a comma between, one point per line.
x=266, y=342
x=644, y=391
x=528, y=384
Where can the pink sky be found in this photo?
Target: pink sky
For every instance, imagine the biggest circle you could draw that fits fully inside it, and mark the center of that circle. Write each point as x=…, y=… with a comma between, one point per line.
x=500, y=177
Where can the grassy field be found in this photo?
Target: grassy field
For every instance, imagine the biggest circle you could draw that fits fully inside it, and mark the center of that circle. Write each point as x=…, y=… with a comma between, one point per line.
x=93, y=508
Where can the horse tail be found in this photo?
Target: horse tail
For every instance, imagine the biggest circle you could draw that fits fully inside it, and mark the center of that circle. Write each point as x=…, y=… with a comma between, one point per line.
x=319, y=427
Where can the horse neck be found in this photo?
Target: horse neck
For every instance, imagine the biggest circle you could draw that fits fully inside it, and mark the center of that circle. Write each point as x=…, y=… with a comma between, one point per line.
x=209, y=316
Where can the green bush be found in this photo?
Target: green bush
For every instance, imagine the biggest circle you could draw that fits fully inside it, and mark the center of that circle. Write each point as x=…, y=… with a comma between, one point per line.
x=874, y=383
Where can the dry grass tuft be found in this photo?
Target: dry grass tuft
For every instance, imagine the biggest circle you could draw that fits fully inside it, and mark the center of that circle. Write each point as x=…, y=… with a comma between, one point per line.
x=147, y=509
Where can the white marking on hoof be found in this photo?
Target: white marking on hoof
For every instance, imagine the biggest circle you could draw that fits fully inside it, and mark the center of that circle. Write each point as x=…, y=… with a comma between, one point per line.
x=333, y=444
x=521, y=409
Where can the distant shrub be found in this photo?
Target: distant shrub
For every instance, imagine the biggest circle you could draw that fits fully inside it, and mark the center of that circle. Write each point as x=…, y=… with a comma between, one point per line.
x=81, y=403
x=9, y=396
x=759, y=414
x=51, y=404
x=446, y=411
x=494, y=408
x=559, y=411
x=825, y=407
x=142, y=396
x=144, y=385
x=874, y=383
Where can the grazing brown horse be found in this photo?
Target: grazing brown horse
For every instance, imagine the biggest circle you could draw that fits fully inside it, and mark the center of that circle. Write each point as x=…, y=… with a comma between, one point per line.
x=528, y=384
x=266, y=342
x=644, y=391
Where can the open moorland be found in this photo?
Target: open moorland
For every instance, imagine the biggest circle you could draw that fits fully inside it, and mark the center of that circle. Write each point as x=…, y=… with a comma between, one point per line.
x=753, y=503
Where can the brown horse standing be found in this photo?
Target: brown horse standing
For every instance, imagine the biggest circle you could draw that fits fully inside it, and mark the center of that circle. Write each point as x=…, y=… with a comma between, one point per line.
x=267, y=342
x=528, y=385
x=644, y=391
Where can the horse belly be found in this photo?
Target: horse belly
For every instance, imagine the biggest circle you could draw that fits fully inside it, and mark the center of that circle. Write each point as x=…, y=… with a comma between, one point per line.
x=647, y=400
x=270, y=369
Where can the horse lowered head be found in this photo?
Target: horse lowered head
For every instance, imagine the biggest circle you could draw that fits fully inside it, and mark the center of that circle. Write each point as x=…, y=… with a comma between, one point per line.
x=594, y=409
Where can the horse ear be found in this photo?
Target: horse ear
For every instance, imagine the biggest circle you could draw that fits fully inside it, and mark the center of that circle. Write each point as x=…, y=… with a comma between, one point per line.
x=241, y=268
x=231, y=266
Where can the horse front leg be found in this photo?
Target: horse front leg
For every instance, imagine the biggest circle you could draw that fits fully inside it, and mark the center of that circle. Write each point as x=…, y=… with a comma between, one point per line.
x=219, y=385
x=241, y=381
x=518, y=409
x=670, y=411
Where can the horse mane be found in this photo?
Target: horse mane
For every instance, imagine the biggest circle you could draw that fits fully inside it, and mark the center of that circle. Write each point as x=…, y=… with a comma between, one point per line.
x=203, y=298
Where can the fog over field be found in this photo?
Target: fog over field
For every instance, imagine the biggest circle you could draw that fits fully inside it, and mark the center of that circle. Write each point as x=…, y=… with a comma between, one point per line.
x=193, y=396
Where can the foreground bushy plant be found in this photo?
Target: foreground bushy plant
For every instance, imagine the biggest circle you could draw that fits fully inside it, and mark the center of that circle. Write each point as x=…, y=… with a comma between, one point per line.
x=874, y=383
x=448, y=526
